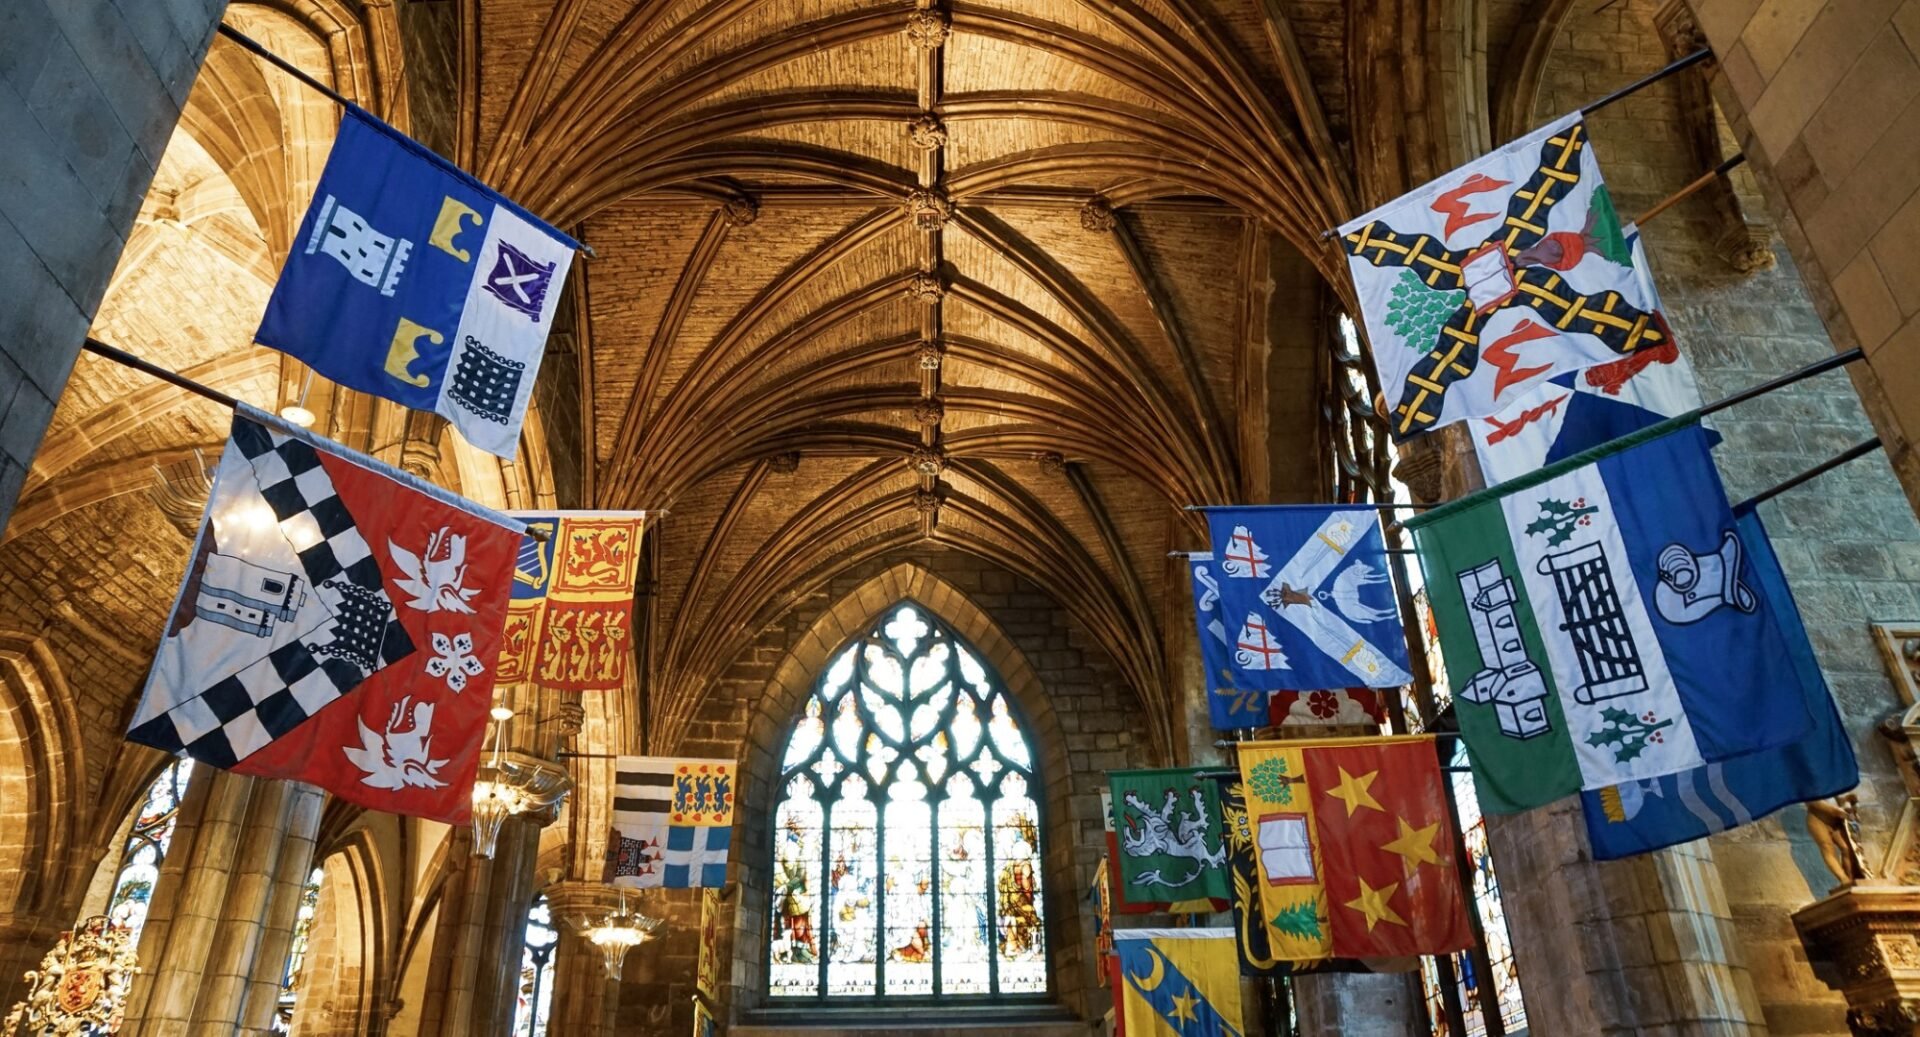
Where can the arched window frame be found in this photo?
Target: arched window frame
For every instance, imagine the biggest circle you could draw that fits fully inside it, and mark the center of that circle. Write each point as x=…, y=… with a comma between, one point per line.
x=148, y=838
x=968, y=674
x=534, y=1003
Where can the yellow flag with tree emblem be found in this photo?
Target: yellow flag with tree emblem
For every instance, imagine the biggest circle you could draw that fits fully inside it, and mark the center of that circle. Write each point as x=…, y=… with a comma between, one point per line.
x=1292, y=899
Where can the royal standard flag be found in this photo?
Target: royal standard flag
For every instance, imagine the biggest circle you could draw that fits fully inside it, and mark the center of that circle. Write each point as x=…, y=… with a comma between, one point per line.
x=415, y=282
x=1307, y=594
x=672, y=822
x=1600, y=623
x=570, y=627
x=1169, y=831
x=1177, y=983
x=1496, y=277
x=1637, y=817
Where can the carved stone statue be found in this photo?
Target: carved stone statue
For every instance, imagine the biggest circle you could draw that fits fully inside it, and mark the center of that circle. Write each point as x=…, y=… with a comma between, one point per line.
x=1835, y=827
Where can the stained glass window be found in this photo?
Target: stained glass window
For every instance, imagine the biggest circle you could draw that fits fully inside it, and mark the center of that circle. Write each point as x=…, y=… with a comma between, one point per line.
x=297, y=952
x=146, y=846
x=906, y=843
x=1476, y=998
x=536, y=972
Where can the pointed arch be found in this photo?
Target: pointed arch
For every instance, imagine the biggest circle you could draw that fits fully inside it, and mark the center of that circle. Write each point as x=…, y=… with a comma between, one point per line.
x=843, y=623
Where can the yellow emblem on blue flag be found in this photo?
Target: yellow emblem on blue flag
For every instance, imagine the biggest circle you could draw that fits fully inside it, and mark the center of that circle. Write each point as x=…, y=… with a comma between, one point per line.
x=1178, y=982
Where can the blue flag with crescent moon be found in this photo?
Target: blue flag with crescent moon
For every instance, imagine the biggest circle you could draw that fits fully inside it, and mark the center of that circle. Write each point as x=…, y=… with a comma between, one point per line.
x=1642, y=816
x=1178, y=982
x=1306, y=599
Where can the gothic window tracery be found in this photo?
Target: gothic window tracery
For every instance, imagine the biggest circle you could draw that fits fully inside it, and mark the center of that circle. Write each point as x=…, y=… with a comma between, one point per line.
x=146, y=847
x=536, y=971
x=906, y=843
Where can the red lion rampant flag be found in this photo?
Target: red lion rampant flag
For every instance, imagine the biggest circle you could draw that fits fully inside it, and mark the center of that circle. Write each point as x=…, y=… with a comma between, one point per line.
x=570, y=627
x=332, y=626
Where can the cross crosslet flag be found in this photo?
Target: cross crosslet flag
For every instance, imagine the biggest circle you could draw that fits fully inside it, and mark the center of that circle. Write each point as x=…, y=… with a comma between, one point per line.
x=1352, y=841
x=1600, y=624
x=1307, y=594
x=331, y=626
x=1177, y=983
x=672, y=822
x=413, y=281
x=1570, y=412
x=1231, y=707
x=1168, y=825
x=570, y=627
x=1639, y=816
x=1493, y=278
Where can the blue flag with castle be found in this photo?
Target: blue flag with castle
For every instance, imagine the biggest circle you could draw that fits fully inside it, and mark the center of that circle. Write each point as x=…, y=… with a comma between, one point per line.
x=1306, y=599
x=1641, y=816
x=415, y=282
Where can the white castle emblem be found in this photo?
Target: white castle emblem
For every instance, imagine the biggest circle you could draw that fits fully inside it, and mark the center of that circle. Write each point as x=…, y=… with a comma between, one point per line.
x=373, y=258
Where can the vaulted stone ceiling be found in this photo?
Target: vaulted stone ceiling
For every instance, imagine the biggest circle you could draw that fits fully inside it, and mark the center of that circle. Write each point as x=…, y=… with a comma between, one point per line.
x=868, y=275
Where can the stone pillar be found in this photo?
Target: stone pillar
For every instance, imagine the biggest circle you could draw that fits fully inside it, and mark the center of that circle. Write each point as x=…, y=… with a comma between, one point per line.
x=89, y=93
x=1645, y=945
x=1361, y=1005
x=584, y=999
x=221, y=920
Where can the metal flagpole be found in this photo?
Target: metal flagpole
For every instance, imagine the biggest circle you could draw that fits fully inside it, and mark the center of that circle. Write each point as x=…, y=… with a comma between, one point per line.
x=126, y=359
x=1699, y=182
x=259, y=50
x=1854, y=452
x=1631, y=88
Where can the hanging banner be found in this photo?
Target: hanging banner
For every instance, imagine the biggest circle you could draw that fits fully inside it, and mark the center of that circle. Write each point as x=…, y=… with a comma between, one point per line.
x=1600, y=624
x=417, y=283
x=333, y=627
x=1496, y=277
x=570, y=627
x=1307, y=593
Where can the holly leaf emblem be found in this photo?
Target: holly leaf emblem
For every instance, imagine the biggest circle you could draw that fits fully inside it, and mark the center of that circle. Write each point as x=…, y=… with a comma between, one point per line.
x=1558, y=519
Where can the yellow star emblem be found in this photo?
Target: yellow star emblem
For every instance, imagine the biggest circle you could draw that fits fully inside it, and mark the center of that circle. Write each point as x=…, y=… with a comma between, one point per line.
x=1415, y=845
x=1353, y=792
x=1373, y=904
x=1183, y=1007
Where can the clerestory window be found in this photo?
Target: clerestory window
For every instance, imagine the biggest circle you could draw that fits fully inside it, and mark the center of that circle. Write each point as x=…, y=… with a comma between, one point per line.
x=906, y=843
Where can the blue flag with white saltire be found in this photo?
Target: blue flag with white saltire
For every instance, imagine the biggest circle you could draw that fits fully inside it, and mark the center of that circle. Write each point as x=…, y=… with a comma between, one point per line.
x=415, y=282
x=1229, y=706
x=1306, y=597
x=1641, y=816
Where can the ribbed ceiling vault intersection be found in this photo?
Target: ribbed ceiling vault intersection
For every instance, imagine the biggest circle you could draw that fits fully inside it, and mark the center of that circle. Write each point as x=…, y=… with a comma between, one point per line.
x=954, y=360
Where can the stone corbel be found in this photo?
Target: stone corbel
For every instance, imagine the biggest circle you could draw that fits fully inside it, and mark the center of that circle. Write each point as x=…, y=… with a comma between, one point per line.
x=1745, y=245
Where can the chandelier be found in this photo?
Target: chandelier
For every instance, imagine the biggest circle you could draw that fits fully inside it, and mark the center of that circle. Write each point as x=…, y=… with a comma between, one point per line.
x=615, y=933
x=511, y=783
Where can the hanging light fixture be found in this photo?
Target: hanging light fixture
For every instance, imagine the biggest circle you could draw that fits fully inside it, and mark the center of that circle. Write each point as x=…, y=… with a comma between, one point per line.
x=617, y=932
x=512, y=783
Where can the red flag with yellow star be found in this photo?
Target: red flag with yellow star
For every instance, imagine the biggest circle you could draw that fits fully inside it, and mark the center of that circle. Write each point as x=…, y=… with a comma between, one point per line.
x=1386, y=841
